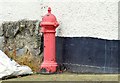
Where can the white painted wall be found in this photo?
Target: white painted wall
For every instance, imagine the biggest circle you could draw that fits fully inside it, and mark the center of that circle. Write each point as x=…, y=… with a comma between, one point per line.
x=80, y=18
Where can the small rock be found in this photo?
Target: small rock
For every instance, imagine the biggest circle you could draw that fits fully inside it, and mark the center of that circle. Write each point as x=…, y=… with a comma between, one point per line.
x=2, y=42
x=1, y=30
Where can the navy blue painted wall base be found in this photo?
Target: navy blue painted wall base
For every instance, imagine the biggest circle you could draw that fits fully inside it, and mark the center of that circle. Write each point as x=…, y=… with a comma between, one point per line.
x=88, y=55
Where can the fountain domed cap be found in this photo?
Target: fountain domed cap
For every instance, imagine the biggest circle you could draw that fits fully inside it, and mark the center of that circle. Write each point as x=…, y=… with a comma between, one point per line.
x=49, y=19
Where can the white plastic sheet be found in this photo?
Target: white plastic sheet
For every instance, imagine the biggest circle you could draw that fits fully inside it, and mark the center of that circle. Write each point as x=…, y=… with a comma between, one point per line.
x=9, y=67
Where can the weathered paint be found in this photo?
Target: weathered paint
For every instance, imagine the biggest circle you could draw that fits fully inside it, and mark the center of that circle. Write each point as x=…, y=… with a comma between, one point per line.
x=88, y=55
x=81, y=18
x=88, y=35
x=49, y=24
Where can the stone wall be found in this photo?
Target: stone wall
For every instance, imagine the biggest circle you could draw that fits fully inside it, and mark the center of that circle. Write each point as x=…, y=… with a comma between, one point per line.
x=21, y=36
x=21, y=41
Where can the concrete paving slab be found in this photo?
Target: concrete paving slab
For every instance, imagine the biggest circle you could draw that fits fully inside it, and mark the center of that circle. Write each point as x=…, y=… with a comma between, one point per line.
x=68, y=77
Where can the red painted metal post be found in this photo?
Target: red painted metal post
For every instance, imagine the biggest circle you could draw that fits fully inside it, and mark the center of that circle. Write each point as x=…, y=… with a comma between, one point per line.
x=49, y=24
